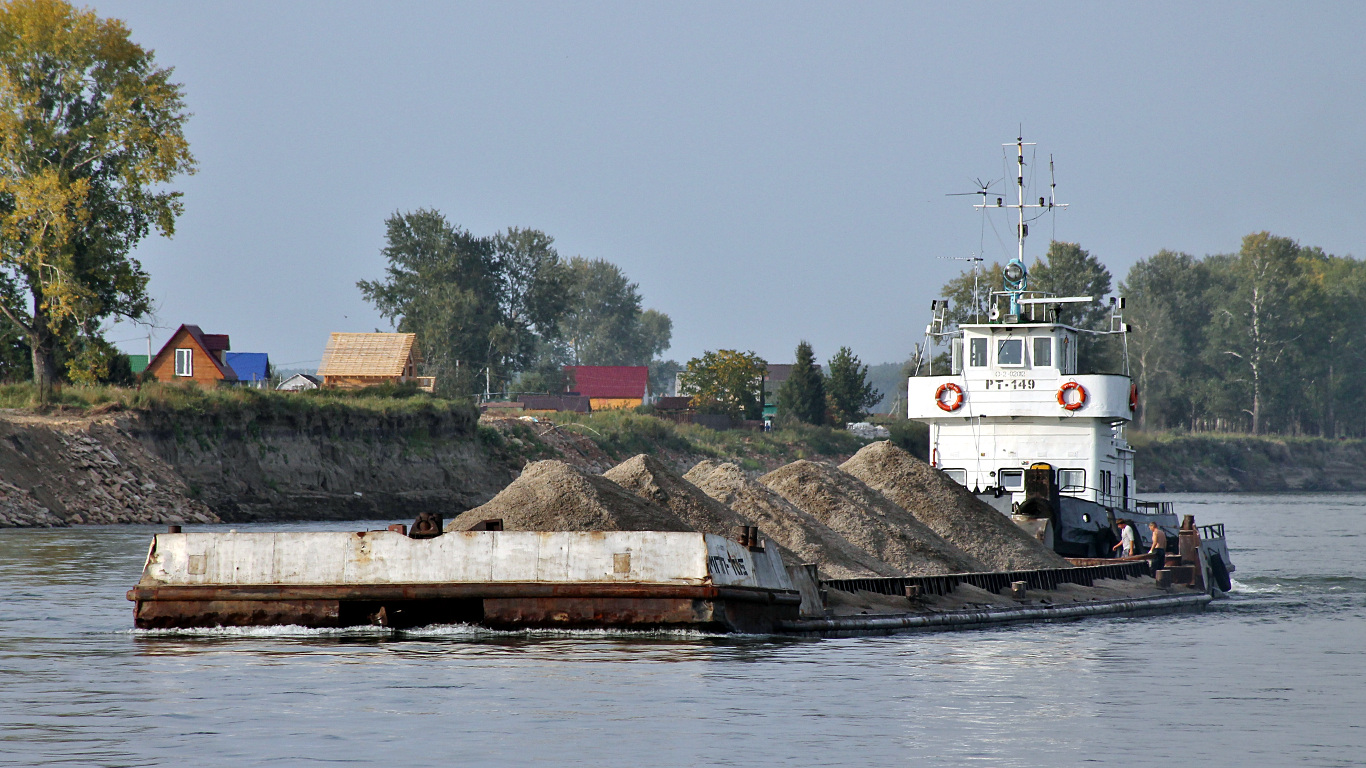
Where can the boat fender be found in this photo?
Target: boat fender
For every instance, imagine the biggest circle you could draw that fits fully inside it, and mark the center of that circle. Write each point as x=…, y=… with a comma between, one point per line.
x=1071, y=405
x=954, y=400
x=1133, y=397
x=1220, y=572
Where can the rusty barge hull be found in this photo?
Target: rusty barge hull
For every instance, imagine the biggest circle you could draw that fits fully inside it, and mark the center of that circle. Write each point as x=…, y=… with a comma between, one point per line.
x=891, y=624
x=492, y=578
x=493, y=605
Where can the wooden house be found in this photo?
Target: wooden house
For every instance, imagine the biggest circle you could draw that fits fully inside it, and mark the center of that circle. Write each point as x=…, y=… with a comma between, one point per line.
x=192, y=355
x=611, y=386
x=364, y=359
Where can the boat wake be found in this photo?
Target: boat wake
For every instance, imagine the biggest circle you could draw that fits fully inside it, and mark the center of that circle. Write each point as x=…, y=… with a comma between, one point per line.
x=451, y=631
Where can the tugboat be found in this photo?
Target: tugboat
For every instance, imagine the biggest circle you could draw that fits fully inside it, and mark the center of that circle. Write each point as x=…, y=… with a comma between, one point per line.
x=1016, y=421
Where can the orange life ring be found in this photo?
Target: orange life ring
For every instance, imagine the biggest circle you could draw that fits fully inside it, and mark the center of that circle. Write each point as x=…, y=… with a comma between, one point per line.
x=1133, y=397
x=1081, y=396
x=955, y=400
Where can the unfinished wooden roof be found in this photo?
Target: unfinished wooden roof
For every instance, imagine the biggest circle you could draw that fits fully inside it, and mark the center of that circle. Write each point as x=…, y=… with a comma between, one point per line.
x=368, y=354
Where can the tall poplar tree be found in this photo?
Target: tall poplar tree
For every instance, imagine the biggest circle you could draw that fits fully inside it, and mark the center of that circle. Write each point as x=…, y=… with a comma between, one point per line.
x=91, y=131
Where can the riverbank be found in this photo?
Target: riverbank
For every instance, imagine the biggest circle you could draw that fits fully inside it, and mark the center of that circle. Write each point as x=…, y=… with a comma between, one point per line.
x=1246, y=463
x=172, y=454
x=166, y=454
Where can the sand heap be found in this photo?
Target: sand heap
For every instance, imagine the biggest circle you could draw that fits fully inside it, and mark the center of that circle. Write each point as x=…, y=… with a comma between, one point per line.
x=868, y=519
x=648, y=478
x=812, y=540
x=553, y=496
x=949, y=509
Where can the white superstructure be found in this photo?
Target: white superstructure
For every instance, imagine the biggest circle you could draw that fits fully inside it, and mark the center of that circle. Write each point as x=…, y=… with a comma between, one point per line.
x=1014, y=397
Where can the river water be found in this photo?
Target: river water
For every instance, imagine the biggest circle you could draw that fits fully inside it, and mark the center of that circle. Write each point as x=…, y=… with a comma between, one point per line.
x=1273, y=676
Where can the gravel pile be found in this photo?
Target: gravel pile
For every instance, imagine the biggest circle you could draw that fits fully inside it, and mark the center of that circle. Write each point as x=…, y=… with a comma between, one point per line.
x=554, y=496
x=776, y=517
x=648, y=478
x=949, y=509
x=868, y=519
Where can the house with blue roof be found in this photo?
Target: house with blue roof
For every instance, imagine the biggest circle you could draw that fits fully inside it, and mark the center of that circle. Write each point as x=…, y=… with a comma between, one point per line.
x=191, y=355
x=252, y=368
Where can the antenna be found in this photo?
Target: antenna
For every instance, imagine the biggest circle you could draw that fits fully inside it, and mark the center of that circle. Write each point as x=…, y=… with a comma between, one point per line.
x=976, y=270
x=1022, y=229
x=1052, y=183
x=983, y=188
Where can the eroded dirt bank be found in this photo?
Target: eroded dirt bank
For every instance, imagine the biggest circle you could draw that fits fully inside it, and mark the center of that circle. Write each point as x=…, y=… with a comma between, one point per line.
x=58, y=471
x=164, y=467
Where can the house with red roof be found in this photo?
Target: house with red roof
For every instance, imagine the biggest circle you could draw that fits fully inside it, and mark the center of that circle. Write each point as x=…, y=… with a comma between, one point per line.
x=192, y=355
x=610, y=386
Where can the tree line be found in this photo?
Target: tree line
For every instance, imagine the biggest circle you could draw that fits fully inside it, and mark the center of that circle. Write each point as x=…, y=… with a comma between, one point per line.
x=505, y=312
x=732, y=382
x=1266, y=340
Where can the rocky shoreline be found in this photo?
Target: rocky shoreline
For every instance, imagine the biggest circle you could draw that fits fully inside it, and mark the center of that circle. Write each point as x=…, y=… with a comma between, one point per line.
x=75, y=471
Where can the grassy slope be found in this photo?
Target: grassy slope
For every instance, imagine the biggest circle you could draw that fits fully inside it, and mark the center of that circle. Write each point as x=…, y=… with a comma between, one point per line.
x=191, y=399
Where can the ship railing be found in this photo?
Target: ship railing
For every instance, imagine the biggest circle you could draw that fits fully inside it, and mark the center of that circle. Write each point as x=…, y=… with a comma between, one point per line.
x=1212, y=531
x=1031, y=313
x=1043, y=579
x=1118, y=501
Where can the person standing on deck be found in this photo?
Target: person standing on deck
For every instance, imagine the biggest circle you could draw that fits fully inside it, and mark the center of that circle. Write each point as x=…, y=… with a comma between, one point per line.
x=1126, y=539
x=1159, y=548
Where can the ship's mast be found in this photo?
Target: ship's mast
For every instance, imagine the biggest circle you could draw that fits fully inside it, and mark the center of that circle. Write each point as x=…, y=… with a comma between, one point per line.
x=1049, y=203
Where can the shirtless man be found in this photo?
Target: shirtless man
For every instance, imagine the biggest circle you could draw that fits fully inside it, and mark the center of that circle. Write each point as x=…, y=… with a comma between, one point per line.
x=1159, y=548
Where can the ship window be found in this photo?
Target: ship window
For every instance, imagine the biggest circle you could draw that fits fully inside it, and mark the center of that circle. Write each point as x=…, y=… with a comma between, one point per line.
x=1012, y=479
x=1010, y=352
x=1072, y=480
x=1043, y=350
x=959, y=476
x=977, y=352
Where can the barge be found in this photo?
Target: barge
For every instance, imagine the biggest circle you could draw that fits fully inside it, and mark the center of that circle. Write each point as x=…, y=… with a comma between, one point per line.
x=497, y=579
x=1017, y=419
x=636, y=580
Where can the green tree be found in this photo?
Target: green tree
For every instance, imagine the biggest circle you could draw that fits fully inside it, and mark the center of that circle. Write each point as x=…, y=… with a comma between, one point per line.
x=969, y=293
x=847, y=389
x=442, y=283
x=605, y=324
x=91, y=131
x=531, y=284
x=802, y=396
x=662, y=373
x=1070, y=270
x=727, y=380
x=1168, y=314
x=490, y=311
x=1254, y=322
x=1333, y=355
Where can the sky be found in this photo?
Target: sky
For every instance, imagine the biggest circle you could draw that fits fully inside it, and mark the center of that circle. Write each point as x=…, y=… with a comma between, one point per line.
x=767, y=172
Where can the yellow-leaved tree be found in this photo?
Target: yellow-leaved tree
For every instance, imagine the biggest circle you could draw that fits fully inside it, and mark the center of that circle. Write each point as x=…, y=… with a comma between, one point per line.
x=90, y=134
x=728, y=381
